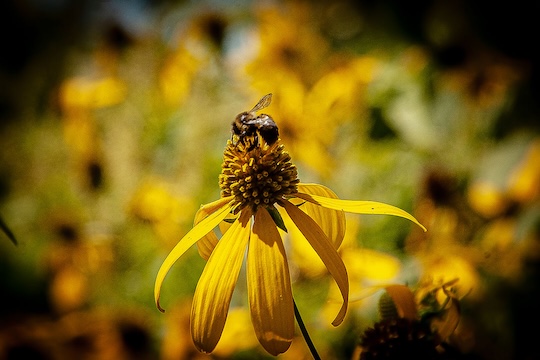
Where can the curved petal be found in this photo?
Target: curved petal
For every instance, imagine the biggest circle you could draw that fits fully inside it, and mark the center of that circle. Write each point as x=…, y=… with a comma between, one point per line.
x=331, y=221
x=269, y=286
x=198, y=231
x=328, y=254
x=404, y=301
x=226, y=224
x=210, y=208
x=358, y=207
x=299, y=251
x=216, y=284
x=207, y=243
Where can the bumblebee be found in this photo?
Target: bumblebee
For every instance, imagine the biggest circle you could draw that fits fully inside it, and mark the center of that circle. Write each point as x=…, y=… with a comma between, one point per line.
x=251, y=129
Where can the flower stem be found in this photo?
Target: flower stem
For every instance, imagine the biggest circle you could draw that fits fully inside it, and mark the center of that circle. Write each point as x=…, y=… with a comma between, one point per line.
x=305, y=333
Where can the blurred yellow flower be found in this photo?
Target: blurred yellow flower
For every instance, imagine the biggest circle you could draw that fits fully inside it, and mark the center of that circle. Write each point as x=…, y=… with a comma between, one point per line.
x=505, y=247
x=237, y=335
x=69, y=289
x=258, y=175
x=88, y=93
x=319, y=89
x=177, y=344
x=156, y=203
x=487, y=199
x=337, y=92
x=200, y=39
x=371, y=265
x=366, y=268
x=80, y=134
x=78, y=97
x=369, y=271
x=524, y=182
x=447, y=267
x=312, y=115
x=74, y=257
x=517, y=180
x=289, y=46
x=177, y=75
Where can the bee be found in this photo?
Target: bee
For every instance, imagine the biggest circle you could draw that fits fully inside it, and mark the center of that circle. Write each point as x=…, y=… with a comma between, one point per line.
x=250, y=128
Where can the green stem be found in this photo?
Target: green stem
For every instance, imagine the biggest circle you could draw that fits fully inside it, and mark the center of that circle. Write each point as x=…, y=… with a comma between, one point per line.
x=305, y=333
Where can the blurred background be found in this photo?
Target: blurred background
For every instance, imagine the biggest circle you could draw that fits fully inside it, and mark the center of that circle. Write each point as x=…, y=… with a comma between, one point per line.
x=114, y=116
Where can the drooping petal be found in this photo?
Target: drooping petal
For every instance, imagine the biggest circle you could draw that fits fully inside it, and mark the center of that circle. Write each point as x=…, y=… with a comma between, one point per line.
x=332, y=222
x=226, y=224
x=404, y=301
x=198, y=231
x=209, y=241
x=328, y=254
x=358, y=207
x=216, y=284
x=447, y=323
x=207, y=244
x=269, y=286
x=210, y=208
x=301, y=253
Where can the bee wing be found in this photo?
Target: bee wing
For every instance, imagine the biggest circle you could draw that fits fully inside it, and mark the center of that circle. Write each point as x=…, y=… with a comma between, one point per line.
x=264, y=102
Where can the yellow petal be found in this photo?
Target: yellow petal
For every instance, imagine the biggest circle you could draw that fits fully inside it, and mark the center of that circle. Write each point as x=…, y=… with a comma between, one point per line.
x=185, y=243
x=216, y=284
x=332, y=222
x=447, y=323
x=206, y=245
x=301, y=253
x=269, y=286
x=328, y=254
x=225, y=225
x=358, y=207
x=403, y=300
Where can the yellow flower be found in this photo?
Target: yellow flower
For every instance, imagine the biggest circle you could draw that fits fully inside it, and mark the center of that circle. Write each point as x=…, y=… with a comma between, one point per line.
x=176, y=77
x=257, y=178
x=289, y=46
x=87, y=93
x=155, y=202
